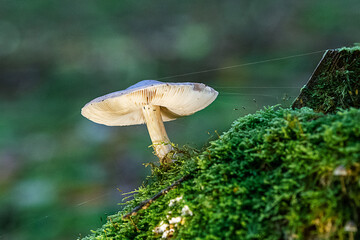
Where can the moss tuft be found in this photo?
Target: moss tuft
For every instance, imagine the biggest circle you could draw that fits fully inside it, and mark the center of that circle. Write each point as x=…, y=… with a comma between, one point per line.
x=350, y=49
x=271, y=176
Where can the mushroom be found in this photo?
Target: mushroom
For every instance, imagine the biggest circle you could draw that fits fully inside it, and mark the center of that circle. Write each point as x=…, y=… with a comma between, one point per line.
x=341, y=172
x=350, y=227
x=150, y=102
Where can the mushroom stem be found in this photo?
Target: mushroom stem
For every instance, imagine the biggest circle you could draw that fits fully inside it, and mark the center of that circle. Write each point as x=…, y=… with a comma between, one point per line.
x=343, y=188
x=157, y=132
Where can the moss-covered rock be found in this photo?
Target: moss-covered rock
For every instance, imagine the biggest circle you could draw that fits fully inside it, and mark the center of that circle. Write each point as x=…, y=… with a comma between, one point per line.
x=270, y=176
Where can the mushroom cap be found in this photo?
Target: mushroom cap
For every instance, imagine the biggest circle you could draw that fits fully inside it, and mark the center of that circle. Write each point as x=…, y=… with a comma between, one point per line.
x=123, y=108
x=340, y=171
x=350, y=226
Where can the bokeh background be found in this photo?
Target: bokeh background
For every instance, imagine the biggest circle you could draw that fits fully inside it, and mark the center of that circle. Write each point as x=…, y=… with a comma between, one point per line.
x=60, y=174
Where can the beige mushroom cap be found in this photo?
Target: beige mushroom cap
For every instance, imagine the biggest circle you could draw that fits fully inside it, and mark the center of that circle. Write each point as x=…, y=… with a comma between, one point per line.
x=123, y=108
x=350, y=226
x=340, y=171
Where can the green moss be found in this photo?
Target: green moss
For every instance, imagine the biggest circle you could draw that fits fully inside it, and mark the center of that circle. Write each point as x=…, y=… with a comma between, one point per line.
x=335, y=83
x=350, y=49
x=269, y=177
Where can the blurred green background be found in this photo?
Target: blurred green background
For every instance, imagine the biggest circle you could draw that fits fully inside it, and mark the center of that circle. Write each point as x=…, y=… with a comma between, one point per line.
x=60, y=174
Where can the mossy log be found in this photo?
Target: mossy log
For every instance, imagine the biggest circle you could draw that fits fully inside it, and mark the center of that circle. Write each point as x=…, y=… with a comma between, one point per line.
x=273, y=175
x=335, y=82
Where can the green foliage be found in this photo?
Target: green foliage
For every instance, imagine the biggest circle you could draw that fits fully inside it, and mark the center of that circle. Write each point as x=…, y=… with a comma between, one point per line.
x=271, y=176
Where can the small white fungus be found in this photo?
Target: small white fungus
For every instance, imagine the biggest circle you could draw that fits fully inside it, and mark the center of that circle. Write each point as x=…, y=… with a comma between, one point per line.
x=167, y=233
x=161, y=228
x=175, y=200
x=186, y=211
x=175, y=220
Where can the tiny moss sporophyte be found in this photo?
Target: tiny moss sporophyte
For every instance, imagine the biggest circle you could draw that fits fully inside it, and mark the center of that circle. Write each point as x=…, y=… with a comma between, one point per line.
x=151, y=102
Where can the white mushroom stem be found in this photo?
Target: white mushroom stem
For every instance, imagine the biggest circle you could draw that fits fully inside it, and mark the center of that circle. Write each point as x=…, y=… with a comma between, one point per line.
x=157, y=132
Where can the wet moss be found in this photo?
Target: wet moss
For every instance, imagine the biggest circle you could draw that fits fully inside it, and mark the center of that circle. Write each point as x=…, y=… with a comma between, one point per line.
x=270, y=176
